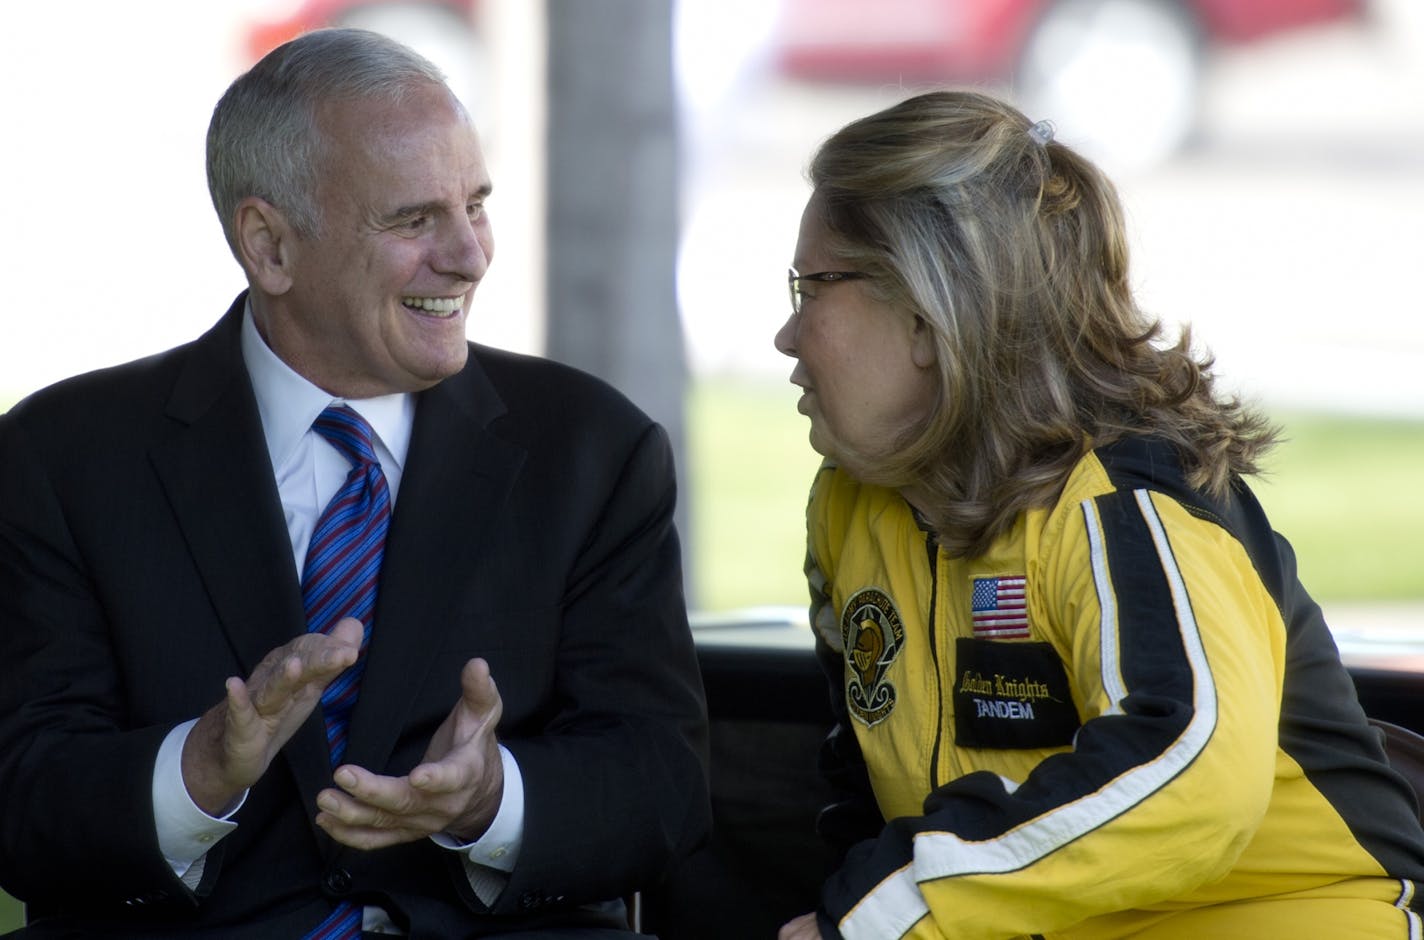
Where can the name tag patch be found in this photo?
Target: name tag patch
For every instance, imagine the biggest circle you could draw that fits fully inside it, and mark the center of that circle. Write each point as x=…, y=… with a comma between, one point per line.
x=1011, y=695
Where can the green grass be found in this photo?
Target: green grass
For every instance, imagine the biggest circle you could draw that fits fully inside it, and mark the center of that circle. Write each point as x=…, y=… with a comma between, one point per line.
x=1348, y=492
x=11, y=915
x=750, y=469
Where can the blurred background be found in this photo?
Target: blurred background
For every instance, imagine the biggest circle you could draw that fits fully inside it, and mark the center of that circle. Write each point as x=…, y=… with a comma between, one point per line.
x=1270, y=154
x=648, y=160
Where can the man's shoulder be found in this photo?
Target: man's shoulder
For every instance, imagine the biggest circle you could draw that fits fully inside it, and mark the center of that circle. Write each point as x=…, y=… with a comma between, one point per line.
x=102, y=393
x=103, y=419
x=137, y=386
x=506, y=364
x=528, y=383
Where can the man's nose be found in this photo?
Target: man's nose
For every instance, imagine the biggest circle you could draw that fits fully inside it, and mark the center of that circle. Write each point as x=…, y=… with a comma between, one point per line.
x=466, y=249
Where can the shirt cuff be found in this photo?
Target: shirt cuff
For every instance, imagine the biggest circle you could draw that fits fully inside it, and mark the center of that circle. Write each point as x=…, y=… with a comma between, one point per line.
x=499, y=847
x=185, y=832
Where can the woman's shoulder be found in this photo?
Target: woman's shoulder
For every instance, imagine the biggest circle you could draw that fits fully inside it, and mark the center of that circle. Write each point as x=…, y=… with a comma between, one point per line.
x=1129, y=463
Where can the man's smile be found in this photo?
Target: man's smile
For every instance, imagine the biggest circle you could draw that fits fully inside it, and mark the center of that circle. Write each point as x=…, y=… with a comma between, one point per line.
x=441, y=307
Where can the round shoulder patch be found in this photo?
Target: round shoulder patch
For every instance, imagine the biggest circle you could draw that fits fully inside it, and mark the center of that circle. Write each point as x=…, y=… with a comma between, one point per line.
x=873, y=635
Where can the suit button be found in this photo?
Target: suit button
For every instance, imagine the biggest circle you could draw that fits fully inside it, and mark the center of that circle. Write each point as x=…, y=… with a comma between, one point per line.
x=337, y=881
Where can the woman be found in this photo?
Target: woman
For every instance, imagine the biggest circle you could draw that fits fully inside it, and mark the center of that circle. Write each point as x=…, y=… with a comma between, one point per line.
x=1081, y=692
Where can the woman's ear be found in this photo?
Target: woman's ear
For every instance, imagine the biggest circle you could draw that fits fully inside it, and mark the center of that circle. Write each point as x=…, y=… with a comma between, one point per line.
x=922, y=345
x=265, y=242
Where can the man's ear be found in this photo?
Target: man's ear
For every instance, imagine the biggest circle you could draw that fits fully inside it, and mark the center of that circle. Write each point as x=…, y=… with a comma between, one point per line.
x=265, y=243
x=922, y=345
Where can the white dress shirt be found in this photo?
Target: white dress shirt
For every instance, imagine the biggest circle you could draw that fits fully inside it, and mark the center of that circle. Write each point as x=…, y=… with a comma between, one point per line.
x=309, y=471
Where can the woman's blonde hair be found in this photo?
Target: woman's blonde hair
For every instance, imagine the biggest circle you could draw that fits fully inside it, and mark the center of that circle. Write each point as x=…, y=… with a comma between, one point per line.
x=1011, y=247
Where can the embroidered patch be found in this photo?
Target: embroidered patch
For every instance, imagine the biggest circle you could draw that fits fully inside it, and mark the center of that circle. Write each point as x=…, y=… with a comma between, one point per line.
x=998, y=609
x=873, y=634
x=1011, y=695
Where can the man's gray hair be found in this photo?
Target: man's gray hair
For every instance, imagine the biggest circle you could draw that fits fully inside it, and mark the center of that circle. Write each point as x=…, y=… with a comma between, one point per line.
x=264, y=139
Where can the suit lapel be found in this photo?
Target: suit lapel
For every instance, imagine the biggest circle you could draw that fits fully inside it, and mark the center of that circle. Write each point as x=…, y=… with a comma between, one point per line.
x=457, y=472
x=218, y=478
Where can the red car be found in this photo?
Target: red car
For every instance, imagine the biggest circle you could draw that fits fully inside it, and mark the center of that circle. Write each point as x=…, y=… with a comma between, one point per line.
x=972, y=40
x=1120, y=77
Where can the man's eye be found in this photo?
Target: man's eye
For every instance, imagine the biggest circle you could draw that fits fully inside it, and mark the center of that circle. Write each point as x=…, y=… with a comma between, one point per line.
x=475, y=210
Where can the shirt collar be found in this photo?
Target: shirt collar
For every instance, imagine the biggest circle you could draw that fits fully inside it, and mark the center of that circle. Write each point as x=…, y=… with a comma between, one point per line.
x=288, y=404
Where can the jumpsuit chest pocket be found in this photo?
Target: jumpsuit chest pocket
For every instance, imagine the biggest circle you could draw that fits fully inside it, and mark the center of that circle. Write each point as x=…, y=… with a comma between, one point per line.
x=1011, y=695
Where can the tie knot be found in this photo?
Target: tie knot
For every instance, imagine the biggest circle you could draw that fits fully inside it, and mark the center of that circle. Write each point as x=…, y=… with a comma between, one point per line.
x=348, y=432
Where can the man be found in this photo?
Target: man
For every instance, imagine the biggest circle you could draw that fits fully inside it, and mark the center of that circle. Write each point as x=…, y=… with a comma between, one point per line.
x=179, y=754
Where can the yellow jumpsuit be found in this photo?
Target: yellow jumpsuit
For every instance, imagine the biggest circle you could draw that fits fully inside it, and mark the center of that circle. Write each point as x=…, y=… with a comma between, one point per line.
x=1126, y=719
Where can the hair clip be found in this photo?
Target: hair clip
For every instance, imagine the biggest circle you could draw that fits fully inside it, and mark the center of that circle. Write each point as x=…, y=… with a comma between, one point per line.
x=1042, y=133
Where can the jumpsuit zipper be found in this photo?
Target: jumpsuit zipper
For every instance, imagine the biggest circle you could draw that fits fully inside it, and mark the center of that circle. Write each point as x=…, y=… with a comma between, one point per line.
x=933, y=552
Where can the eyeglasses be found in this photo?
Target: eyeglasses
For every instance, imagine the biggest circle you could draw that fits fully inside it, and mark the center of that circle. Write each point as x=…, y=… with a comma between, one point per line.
x=794, y=279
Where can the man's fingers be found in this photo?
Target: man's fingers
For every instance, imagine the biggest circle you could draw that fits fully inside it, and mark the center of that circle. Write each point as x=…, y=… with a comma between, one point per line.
x=479, y=692
x=376, y=811
x=269, y=689
x=438, y=777
x=364, y=826
x=302, y=668
x=366, y=838
x=391, y=795
x=349, y=631
x=336, y=651
x=353, y=812
x=242, y=711
x=239, y=705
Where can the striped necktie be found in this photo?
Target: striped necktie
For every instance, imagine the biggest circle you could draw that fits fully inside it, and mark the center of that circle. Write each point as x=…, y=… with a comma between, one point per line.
x=339, y=580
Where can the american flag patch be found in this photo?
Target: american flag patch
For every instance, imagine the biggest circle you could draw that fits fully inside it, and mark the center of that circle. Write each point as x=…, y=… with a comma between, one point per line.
x=998, y=609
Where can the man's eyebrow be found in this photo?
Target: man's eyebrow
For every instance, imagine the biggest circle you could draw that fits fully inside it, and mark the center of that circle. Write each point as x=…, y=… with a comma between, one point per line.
x=432, y=207
x=415, y=209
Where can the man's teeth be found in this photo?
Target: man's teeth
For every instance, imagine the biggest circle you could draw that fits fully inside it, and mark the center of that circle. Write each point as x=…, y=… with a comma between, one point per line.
x=440, y=306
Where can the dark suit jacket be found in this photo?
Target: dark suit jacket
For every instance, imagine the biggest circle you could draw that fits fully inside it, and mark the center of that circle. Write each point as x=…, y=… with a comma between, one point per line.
x=144, y=558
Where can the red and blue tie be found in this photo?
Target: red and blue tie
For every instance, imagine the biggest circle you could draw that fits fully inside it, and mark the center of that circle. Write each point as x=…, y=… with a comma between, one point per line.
x=339, y=580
